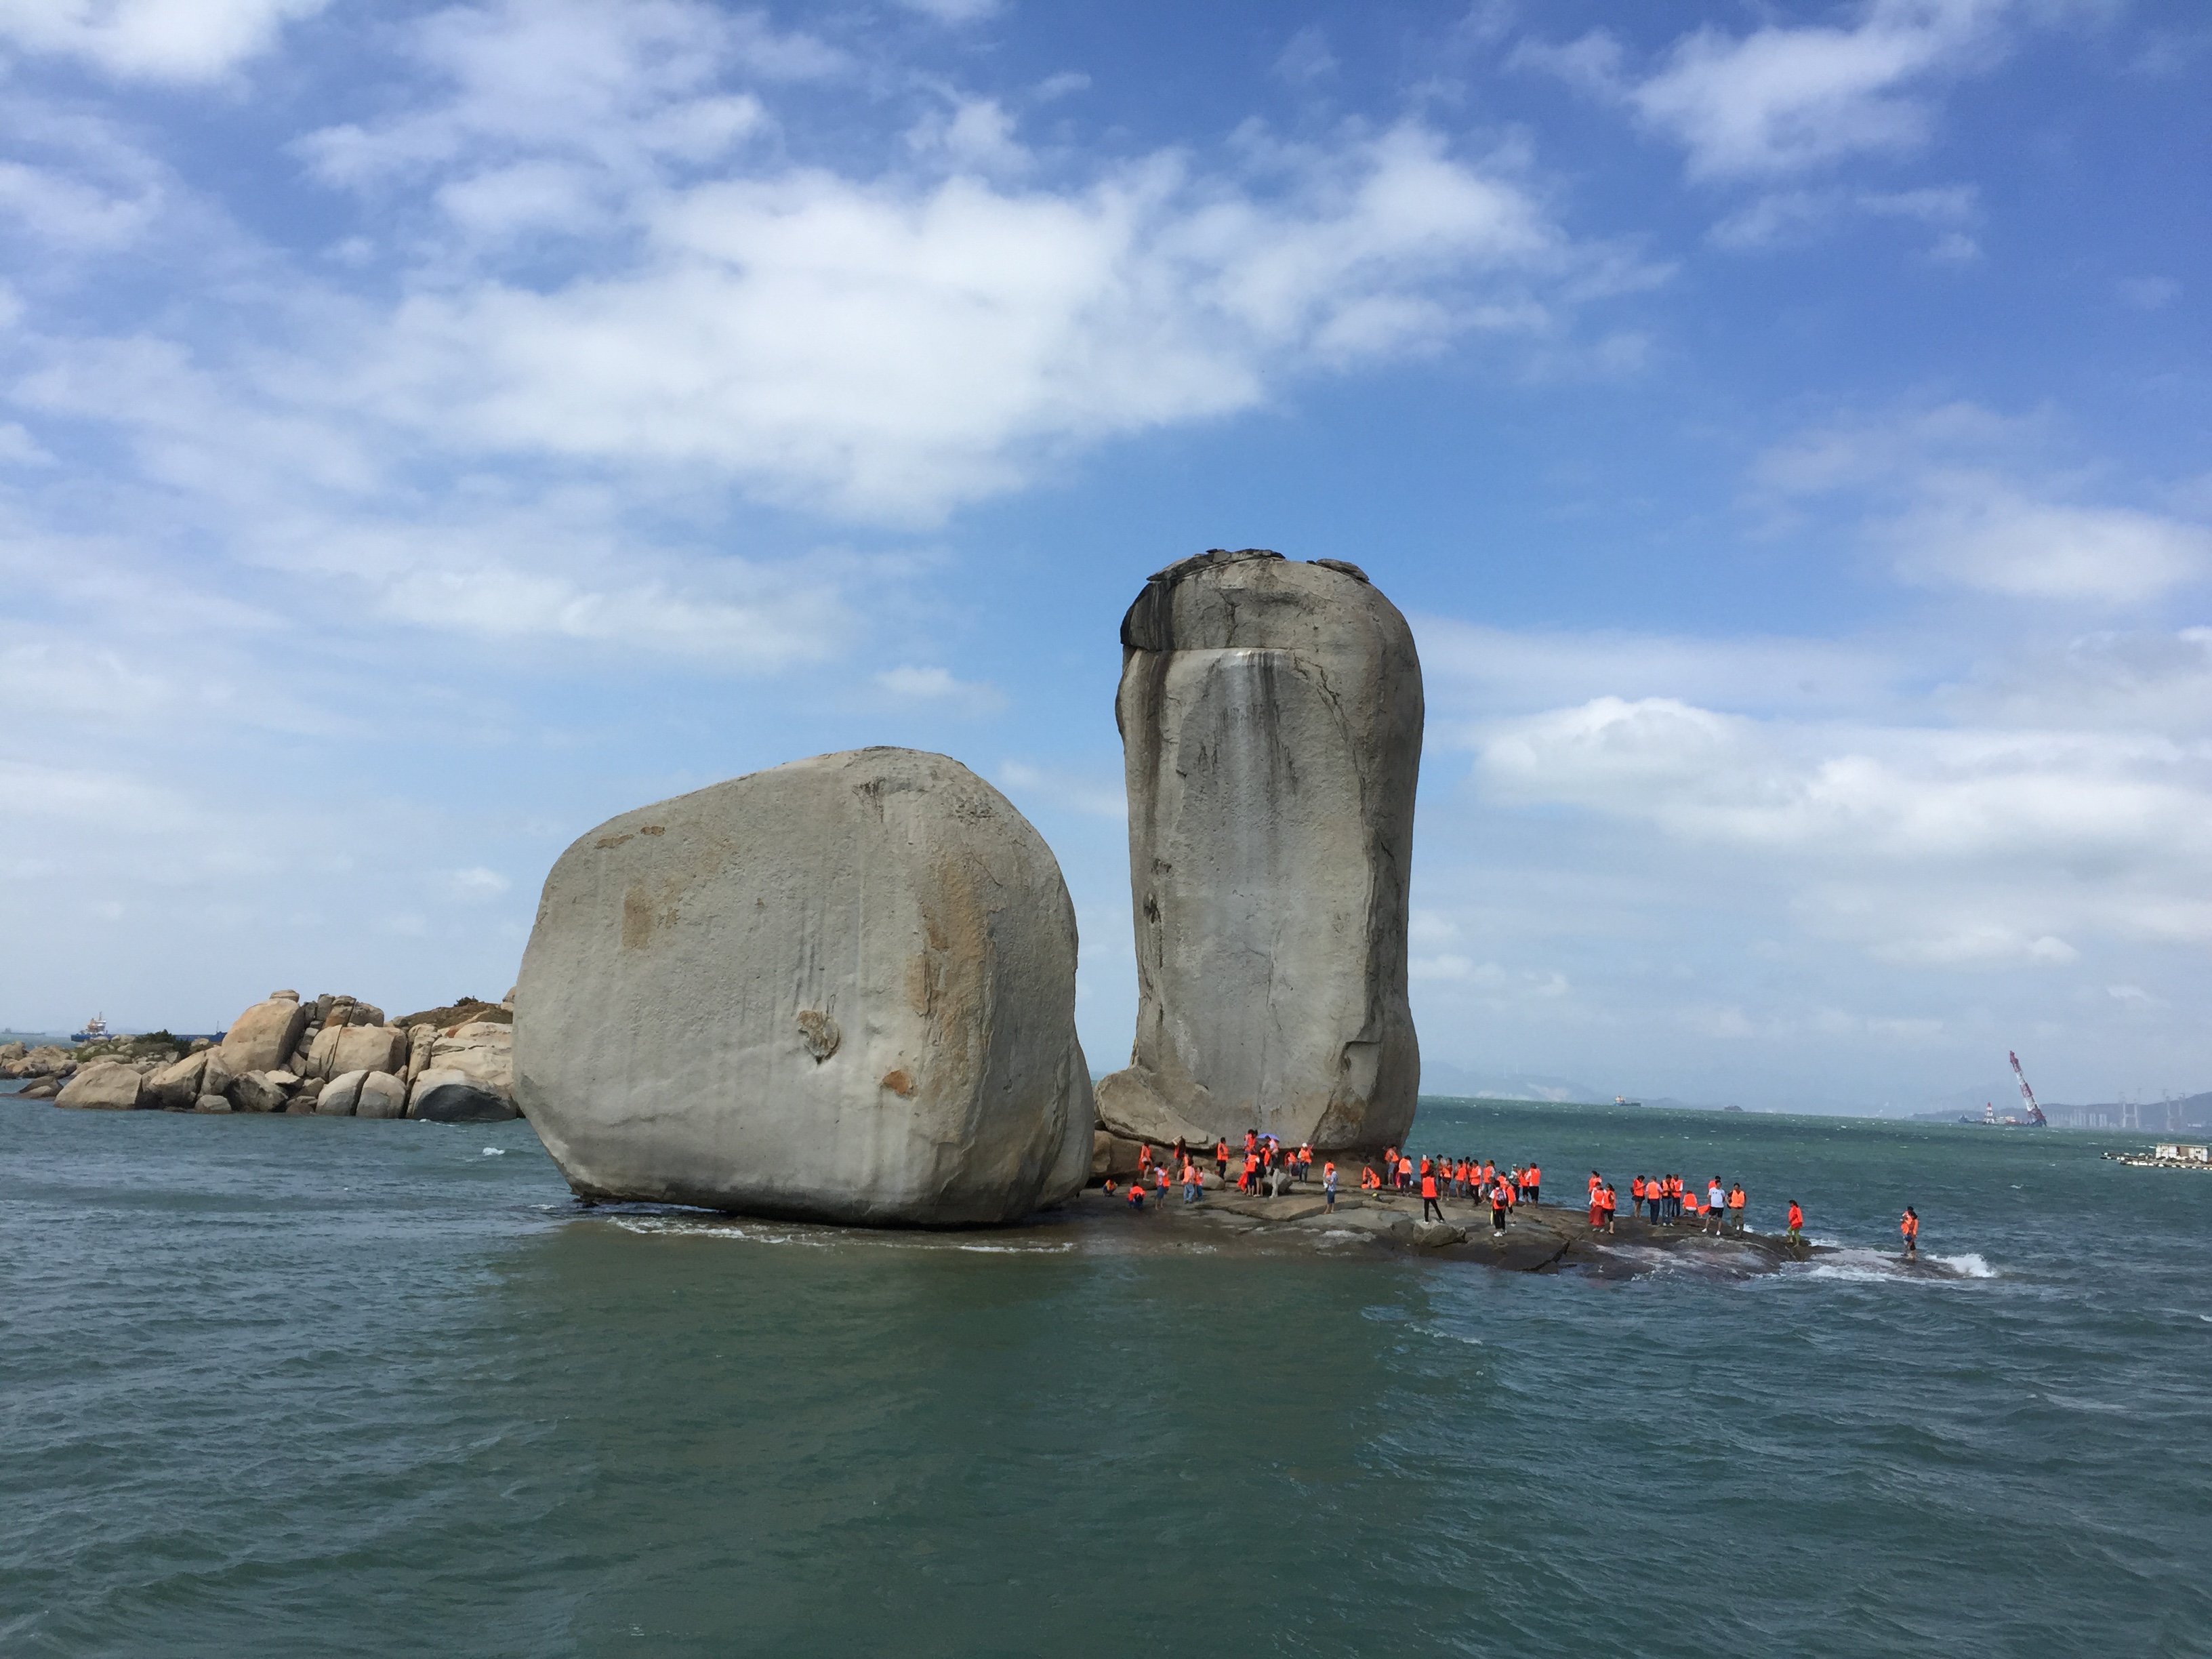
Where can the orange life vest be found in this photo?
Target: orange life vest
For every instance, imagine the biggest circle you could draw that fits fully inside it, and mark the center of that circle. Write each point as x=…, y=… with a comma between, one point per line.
x=1428, y=1186
x=1535, y=1177
x=1796, y=1216
x=1911, y=1225
x=1636, y=1189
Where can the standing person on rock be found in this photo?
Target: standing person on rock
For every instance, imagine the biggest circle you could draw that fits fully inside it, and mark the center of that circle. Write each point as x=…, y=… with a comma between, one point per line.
x=1909, y=1227
x=1430, y=1207
x=1596, y=1205
x=1736, y=1203
x=1328, y=1186
x=1796, y=1223
x=1715, y=1205
x=1497, y=1207
x=1533, y=1187
x=1221, y=1160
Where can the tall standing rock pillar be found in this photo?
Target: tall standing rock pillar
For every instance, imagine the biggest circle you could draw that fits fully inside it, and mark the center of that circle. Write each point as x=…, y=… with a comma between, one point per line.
x=1271, y=723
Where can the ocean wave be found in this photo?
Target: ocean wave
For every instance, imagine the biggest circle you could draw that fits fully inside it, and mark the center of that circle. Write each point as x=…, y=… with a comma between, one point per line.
x=1852, y=1266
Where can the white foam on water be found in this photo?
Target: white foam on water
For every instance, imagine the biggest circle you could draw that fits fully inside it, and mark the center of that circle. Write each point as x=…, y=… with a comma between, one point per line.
x=1016, y=1249
x=1863, y=1267
x=1969, y=1266
x=495, y=1151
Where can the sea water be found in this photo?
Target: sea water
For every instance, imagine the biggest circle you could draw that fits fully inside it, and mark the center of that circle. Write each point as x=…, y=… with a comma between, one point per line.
x=288, y=1386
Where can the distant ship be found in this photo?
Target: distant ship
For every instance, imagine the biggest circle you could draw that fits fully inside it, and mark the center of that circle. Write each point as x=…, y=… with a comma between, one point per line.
x=94, y=1030
x=2034, y=1120
x=1619, y=1100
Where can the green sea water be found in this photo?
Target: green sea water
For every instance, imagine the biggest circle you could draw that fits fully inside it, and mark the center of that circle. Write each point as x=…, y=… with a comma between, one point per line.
x=283, y=1386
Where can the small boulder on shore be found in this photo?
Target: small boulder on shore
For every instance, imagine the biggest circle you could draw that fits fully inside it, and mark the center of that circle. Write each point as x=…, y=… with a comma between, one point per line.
x=105, y=1085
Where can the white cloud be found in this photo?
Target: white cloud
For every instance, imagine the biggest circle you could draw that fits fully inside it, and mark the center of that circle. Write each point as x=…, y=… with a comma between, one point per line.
x=890, y=353
x=1786, y=218
x=1975, y=531
x=1949, y=505
x=1306, y=58
x=476, y=886
x=2149, y=292
x=1091, y=796
x=955, y=11
x=1786, y=99
x=910, y=684
x=181, y=40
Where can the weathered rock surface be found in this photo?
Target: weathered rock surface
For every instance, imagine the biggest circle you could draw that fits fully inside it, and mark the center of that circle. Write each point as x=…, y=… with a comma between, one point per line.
x=381, y=1095
x=842, y=989
x=1271, y=719
x=338, y=1049
x=340, y=1094
x=174, y=1088
x=105, y=1085
x=262, y=1038
x=211, y=1104
x=257, y=1092
x=452, y=1096
x=482, y=1050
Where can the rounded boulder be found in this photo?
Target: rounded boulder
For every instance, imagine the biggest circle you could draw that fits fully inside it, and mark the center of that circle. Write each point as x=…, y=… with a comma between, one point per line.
x=840, y=990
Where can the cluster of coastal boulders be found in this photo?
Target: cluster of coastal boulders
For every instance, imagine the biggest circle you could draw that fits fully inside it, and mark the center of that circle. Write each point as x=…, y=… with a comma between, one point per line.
x=843, y=989
x=336, y=1056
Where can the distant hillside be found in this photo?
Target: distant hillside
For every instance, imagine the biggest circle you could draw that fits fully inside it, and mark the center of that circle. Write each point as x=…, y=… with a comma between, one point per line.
x=1467, y=1083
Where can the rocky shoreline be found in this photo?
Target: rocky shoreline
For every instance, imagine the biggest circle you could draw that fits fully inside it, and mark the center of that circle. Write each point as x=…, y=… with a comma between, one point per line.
x=335, y=1056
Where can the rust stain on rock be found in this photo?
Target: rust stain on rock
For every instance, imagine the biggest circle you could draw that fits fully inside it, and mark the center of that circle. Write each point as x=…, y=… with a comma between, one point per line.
x=637, y=919
x=605, y=842
x=653, y=829
x=899, y=1083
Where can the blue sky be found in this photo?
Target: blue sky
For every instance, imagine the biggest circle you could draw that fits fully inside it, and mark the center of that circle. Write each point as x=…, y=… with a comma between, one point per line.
x=426, y=431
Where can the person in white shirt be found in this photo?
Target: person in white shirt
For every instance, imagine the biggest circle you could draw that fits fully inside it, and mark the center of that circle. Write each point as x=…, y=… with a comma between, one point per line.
x=1716, y=1201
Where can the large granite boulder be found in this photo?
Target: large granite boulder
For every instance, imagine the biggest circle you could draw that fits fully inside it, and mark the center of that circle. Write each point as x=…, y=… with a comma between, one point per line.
x=262, y=1038
x=104, y=1085
x=175, y=1088
x=481, y=1050
x=1271, y=723
x=340, y=1094
x=843, y=989
x=338, y=1049
x=258, y=1091
x=382, y=1095
x=446, y=1096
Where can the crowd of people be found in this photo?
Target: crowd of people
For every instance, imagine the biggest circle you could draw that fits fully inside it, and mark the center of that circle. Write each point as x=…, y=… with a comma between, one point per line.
x=1268, y=1167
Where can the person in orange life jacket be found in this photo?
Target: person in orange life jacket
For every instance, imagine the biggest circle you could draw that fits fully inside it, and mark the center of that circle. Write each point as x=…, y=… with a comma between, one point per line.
x=1533, y=1184
x=1612, y=1204
x=1160, y=1180
x=1796, y=1223
x=1736, y=1201
x=1250, y=1178
x=1251, y=1140
x=1369, y=1180
x=1429, y=1204
x=1716, y=1199
x=1221, y=1160
x=1144, y=1159
x=1405, y=1172
x=1498, y=1202
x=1329, y=1185
x=1636, y=1193
x=1389, y=1166
x=1909, y=1226
x=1110, y=1188
x=1136, y=1194
x=1597, y=1206
x=1181, y=1151
x=1596, y=1183
x=1194, y=1178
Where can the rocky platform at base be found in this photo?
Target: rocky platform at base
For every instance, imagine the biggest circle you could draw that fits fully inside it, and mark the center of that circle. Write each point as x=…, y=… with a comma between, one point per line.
x=1541, y=1239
